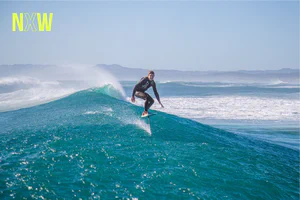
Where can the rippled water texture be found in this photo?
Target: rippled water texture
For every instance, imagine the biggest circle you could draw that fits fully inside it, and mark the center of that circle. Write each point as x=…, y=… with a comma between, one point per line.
x=90, y=145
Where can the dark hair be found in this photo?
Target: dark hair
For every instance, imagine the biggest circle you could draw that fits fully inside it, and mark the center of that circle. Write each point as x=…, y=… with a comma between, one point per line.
x=151, y=72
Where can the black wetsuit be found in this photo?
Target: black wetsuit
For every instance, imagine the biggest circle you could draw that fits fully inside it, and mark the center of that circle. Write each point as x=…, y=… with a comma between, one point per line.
x=141, y=87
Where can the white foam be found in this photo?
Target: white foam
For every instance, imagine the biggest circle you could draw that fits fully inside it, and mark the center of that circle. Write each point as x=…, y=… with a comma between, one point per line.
x=167, y=81
x=137, y=121
x=210, y=85
x=283, y=86
x=143, y=125
x=277, y=82
x=91, y=112
x=24, y=81
x=232, y=107
x=30, y=97
x=19, y=80
x=103, y=110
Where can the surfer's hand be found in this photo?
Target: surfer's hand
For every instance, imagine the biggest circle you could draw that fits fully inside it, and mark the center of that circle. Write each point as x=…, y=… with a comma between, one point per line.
x=132, y=99
x=161, y=104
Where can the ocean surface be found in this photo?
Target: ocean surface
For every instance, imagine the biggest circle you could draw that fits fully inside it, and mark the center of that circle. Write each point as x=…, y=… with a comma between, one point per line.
x=270, y=112
x=211, y=141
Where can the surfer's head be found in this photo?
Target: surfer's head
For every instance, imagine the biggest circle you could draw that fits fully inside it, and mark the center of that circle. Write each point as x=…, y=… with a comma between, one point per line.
x=151, y=75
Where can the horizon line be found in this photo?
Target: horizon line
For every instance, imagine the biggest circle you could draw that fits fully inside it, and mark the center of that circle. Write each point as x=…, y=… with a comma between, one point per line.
x=93, y=65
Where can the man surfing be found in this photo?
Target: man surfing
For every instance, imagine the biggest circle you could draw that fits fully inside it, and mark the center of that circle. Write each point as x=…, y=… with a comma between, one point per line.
x=139, y=91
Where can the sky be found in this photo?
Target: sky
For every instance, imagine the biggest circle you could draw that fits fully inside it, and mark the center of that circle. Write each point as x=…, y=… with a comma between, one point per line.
x=181, y=35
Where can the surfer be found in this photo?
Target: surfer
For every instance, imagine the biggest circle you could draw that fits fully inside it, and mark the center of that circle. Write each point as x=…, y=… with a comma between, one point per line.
x=140, y=88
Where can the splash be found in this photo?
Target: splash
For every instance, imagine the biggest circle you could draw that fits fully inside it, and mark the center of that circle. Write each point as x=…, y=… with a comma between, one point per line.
x=37, y=85
x=141, y=124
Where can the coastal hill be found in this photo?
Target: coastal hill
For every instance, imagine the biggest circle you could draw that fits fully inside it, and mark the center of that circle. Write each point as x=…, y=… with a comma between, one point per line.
x=285, y=75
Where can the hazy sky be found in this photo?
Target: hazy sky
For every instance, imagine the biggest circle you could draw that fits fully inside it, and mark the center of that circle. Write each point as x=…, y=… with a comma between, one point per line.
x=183, y=35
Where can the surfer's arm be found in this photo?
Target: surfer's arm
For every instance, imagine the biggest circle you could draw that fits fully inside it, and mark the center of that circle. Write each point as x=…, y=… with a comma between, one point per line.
x=155, y=92
x=134, y=90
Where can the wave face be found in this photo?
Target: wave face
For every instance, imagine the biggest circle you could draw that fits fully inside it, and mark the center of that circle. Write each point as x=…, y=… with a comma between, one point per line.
x=90, y=145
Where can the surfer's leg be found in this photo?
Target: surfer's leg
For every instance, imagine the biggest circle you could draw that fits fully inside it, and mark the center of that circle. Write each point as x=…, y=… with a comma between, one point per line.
x=149, y=102
x=142, y=95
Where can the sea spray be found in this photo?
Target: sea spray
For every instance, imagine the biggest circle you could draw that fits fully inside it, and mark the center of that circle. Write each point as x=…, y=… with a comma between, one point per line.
x=39, y=85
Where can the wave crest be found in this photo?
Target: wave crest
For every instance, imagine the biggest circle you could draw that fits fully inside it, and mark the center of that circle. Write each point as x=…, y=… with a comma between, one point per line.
x=38, y=86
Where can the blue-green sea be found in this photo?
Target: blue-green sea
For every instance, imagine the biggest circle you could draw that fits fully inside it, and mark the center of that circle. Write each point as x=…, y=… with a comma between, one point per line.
x=93, y=144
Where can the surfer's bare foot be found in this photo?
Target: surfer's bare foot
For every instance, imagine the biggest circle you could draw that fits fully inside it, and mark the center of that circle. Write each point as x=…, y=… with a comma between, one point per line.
x=145, y=113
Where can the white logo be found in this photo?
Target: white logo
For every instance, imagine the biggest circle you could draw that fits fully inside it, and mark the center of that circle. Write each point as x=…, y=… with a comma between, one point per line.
x=146, y=85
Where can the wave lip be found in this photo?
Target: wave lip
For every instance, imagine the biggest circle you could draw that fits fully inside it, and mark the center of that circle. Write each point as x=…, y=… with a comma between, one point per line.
x=35, y=87
x=31, y=97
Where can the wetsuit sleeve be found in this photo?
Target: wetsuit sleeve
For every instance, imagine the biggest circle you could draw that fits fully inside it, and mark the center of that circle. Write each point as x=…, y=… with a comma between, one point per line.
x=155, y=91
x=139, y=84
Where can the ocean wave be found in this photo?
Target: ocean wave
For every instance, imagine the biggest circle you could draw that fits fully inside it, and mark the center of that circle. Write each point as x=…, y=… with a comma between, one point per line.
x=19, y=81
x=277, y=82
x=45, y=93
x=11, y=84
x=90, y=145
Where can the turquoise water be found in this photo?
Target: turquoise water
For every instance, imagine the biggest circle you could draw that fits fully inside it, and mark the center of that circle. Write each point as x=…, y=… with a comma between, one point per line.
x=90, y=145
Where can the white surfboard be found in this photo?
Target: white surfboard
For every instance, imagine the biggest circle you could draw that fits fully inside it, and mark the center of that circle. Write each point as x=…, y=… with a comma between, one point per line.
x=149, y=115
